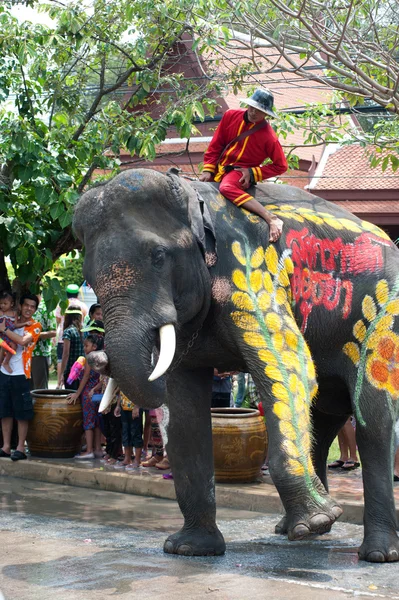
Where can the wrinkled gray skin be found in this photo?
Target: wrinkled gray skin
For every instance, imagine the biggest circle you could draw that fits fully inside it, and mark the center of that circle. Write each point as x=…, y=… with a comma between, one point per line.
x=144, y=260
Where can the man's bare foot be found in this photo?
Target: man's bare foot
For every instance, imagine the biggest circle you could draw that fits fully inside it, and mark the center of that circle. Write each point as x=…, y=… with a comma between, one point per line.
x=276, y=229
x=8, y=368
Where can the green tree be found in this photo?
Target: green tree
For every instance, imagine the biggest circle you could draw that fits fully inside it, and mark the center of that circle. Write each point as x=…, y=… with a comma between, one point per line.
x=350, y=47
x=71, y=96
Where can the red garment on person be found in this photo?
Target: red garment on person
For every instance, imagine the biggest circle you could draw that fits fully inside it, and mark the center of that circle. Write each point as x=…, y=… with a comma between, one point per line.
x=249, y=153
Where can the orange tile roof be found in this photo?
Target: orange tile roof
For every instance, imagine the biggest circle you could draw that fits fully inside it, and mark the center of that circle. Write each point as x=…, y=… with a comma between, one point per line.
x=369, y=206
x=349, y=169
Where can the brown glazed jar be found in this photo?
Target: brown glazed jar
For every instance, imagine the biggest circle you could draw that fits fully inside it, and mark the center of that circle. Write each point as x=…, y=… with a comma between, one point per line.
x=56, y=428
x=239, y=444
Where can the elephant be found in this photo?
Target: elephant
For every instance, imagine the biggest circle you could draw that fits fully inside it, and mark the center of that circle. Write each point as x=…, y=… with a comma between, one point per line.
x=187, y=278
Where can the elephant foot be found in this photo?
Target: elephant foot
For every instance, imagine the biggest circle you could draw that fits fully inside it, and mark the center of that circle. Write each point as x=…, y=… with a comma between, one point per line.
x=195, y=542
x=312, y=520
x=380, y=548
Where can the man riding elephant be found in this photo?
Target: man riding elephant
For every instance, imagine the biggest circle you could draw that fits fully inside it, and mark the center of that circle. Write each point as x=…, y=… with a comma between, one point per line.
x=241, y=144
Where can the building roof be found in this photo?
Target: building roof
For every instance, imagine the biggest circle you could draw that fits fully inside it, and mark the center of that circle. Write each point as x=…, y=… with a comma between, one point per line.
x=348, y=168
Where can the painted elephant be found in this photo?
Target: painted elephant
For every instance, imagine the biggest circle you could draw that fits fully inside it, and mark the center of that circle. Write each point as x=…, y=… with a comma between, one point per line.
x=314, y=318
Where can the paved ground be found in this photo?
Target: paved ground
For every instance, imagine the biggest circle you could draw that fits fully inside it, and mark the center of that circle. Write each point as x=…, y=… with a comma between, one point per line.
x=345, y=487
x=72, y=543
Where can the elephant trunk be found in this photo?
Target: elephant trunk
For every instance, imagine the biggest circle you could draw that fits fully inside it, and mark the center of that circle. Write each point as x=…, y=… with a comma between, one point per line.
x=129, y=361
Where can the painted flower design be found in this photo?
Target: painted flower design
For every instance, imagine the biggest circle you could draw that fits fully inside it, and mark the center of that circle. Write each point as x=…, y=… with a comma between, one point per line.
x=383, y=364
x=375, y=353
x=262, y=300
x=301, y=214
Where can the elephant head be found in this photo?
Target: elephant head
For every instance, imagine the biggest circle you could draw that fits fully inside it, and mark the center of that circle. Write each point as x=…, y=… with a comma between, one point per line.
x=145, y=262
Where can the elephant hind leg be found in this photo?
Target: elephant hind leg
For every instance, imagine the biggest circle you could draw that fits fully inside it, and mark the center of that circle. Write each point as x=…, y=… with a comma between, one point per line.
x=325, y=429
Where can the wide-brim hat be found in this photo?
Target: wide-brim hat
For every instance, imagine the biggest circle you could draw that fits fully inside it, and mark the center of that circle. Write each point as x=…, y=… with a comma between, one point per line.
x=263, y=100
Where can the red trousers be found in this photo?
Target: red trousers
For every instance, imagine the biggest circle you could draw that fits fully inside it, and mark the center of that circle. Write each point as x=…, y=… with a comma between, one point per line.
x=231, y=189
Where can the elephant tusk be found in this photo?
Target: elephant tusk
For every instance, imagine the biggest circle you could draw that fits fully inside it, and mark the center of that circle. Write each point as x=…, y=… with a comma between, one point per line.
x=108, y=394
x=167, y=337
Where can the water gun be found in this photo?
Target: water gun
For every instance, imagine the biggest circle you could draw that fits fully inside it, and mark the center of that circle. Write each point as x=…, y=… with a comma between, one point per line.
x=76, y=369
x=6, y=347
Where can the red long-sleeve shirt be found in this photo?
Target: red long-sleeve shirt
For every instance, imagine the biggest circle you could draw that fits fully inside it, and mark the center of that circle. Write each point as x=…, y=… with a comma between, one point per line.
x=249, y=152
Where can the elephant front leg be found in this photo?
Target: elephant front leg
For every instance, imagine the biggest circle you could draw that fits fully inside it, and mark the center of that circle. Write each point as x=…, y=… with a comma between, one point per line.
x=190, y=451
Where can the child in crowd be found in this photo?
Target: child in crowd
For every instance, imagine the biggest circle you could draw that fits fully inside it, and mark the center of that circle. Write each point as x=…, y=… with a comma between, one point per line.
x=95, y=314
x=90, y=409
x=9, y=315
x=132, y=432
x=110, y=424
x=72, y=345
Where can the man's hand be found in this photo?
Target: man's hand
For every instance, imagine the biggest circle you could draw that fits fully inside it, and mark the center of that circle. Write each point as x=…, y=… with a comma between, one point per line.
x=117, y=411
x=2, y=325
x=246, y=177
x=276, y=229
x=205, y=176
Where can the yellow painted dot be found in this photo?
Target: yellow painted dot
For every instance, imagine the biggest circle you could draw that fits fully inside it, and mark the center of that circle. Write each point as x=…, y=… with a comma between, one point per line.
x=280, y=392
x=273, y=322
x=256, y=280
x=257, y=258
x=268, y=357
x=238, y=253
x=240, y=280
x=278, y=341
x=268, y=283
x=271, y=260
x=382, y=292
x=243, y=301
x=281, y=296
x=254, y=339
x=282, y=411
x=245, y=321
x=274, y=373
x=264, y=301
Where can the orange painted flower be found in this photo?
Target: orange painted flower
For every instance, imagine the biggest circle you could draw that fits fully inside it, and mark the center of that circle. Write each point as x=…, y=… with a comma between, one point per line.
x=383, y=364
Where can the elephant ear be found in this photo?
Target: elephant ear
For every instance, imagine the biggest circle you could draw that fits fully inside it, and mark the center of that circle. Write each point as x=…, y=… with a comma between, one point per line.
x=199, y=218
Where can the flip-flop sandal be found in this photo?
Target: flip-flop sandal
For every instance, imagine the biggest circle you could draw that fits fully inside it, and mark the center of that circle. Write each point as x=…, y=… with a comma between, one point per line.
x=336, y=464
x=349, y=465
x=4, y=454
x=18, y=455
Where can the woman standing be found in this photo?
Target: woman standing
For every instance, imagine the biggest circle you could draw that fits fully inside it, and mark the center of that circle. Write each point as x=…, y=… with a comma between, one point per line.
x=73, y=345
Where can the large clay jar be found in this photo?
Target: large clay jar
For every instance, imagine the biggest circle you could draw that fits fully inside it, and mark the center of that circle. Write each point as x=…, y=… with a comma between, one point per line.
x=239, y=444
x=57, y=427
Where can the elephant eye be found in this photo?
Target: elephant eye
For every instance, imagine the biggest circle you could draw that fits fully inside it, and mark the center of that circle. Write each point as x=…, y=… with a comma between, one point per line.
x=158, y=256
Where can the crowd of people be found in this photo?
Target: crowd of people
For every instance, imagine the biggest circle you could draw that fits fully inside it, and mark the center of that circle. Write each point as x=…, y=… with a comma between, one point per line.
x=120, y=437
x=124, y=437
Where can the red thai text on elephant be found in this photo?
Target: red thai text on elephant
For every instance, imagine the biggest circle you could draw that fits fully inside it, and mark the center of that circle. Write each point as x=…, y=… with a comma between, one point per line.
x=320, y=264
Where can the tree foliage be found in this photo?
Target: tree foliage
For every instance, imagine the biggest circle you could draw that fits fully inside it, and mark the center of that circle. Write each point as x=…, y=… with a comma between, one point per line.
x=71, y=96
x=349, y=46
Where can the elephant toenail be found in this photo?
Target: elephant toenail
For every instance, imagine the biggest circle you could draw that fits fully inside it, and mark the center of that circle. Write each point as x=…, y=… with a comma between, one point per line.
x=185, y=550
x=300, y=531
x=319, y=522
x=393, y=556
x=337, y=511
x=168, y=547
x=375, y=556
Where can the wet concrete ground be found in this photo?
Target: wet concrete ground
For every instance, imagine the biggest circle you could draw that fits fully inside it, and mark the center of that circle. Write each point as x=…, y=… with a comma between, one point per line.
x=73, y=543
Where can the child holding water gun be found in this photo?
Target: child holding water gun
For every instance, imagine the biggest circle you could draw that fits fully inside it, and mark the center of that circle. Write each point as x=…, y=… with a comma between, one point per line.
x=8, y=315
x=89, y=380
